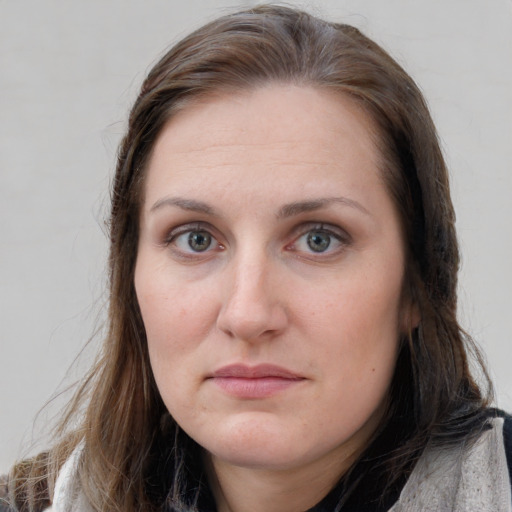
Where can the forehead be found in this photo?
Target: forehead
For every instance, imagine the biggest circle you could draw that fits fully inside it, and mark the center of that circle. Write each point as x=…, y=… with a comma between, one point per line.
x=300, y=135
x=253, y=112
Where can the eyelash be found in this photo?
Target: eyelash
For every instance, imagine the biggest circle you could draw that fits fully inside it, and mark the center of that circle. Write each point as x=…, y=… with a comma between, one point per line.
x=189, y=229
x=341, y=238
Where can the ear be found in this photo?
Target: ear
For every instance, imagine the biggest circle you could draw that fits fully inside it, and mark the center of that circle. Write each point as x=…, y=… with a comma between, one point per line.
x=411, y=316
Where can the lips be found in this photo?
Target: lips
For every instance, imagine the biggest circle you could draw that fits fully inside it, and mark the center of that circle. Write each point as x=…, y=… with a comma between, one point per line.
x=255, y=372
x=254, y=382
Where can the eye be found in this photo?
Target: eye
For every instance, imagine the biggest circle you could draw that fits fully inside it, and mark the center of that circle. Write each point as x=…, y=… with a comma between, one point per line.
x=186, y=241
x=320, y=240
x=193, y=241
x=199, y=241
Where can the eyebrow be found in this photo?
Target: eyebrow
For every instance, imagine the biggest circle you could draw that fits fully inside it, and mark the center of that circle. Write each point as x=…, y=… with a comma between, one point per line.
x=295, y=208
x=184, y=204
x=287, y=210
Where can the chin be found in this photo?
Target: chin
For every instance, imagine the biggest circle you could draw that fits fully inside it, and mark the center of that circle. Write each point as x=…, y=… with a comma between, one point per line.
x=266, y=457
x=265, y=446
x=254, y=443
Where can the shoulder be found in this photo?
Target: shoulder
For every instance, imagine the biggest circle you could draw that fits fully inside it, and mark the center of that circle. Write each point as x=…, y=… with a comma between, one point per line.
x=26, y=485
x=467, y=476
x=65, y=498
x=6, y=504
x=4, y=494
x=507, y=437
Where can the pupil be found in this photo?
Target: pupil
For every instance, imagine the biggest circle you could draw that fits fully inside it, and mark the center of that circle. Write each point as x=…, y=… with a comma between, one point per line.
x=318, y=242
x=199, y=240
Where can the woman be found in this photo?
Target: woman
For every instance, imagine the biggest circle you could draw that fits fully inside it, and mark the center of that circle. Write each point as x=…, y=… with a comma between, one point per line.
x=283, y=270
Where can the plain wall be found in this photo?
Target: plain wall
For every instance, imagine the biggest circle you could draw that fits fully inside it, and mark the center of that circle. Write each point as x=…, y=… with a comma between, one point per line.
x=68, y=73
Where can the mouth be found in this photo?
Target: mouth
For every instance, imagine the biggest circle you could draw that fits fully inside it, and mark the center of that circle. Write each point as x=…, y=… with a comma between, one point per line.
x=254, y=382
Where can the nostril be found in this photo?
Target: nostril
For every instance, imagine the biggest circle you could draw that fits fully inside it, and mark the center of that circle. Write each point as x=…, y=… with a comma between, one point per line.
x=251, y=320
x=251, y=308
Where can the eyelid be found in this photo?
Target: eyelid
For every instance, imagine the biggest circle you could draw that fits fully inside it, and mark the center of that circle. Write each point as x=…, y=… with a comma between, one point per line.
x=173, y=233
x=338, y=232
x=340, y=235
x=191, y=255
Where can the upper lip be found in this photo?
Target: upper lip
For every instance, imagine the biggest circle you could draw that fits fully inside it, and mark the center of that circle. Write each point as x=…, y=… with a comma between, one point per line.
x=259, y=371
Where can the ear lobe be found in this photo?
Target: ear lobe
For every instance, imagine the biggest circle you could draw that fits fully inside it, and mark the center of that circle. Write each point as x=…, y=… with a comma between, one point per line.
x=411, y=317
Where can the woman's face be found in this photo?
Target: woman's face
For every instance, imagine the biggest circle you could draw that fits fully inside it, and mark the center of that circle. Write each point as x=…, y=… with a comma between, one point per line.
x=269, y=277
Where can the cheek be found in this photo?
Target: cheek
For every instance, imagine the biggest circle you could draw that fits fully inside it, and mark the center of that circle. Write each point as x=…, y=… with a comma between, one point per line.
x=354, y=310
x=177, y=317
x=356, y=329
x=174, y=311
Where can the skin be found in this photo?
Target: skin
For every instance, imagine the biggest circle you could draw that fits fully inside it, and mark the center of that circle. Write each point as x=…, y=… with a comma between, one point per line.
x=257, y=173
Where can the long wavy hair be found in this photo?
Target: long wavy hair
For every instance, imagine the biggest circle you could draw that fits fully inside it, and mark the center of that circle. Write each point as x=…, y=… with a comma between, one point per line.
x=133, y=455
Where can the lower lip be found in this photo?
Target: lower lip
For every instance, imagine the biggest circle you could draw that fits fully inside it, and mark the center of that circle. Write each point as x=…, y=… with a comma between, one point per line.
x=254, y=388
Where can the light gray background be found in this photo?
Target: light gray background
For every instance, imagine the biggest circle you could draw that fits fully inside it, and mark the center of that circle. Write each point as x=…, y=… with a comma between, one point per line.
x=68, y=73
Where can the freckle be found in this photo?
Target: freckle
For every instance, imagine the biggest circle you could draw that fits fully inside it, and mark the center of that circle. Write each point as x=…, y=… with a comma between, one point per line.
x=373, y=369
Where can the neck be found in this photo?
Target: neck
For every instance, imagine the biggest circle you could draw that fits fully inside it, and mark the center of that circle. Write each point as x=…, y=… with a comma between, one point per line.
x=242, y=489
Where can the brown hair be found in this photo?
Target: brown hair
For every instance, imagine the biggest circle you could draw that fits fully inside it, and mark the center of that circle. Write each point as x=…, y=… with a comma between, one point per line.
x=133, y=455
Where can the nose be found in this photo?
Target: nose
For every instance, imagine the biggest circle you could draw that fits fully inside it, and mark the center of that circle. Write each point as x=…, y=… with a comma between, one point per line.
x=252, y=310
